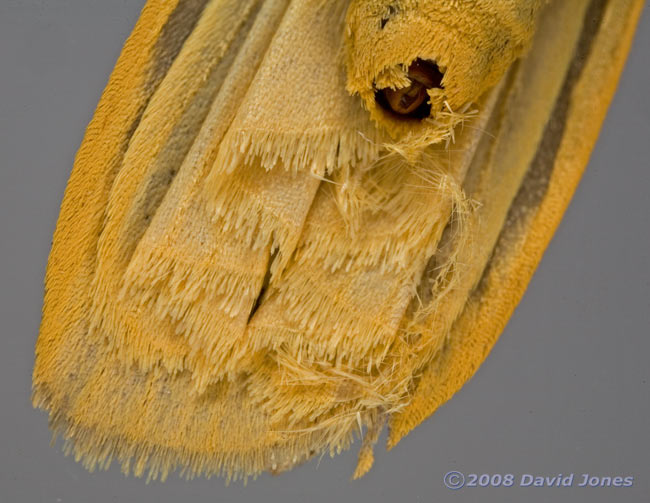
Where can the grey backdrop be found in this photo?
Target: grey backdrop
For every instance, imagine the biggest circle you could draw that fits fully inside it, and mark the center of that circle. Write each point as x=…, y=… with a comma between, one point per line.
x=564, y=390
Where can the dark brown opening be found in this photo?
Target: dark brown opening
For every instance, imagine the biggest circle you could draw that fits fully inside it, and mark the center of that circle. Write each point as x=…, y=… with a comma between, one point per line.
x=412, y=101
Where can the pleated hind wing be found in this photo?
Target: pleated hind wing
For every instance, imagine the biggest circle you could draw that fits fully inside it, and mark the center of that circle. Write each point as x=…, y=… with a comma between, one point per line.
x=167, y=238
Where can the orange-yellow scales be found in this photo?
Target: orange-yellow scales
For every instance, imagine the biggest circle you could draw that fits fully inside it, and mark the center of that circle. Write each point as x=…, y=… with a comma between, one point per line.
x=292, y=221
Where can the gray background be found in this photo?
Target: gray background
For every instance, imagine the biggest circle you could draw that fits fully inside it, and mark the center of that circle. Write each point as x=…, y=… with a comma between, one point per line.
x=565, y=389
